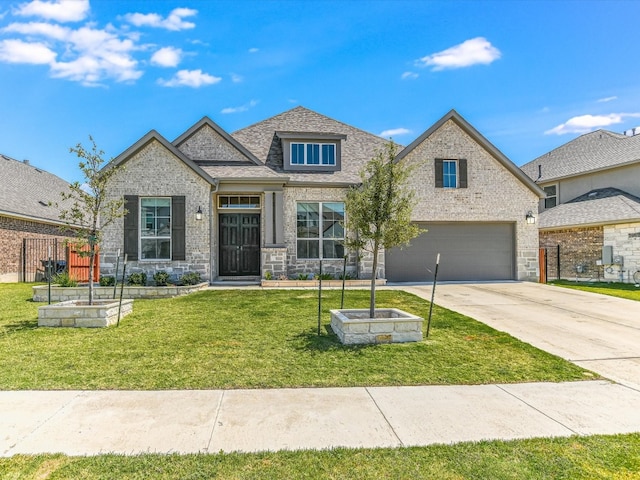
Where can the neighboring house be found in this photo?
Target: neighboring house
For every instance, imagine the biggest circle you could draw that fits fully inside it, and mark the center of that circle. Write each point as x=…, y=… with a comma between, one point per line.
x=591, y=213
x=270, y=198
x=30, y=227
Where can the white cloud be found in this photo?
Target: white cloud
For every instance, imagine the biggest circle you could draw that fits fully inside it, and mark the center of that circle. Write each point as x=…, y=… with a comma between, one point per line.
x=60, y=10
x=242, y=108
x=254, y=50
x=235, y=78
x=56, y=32
x=394, y=132
x=167, y=57
x=471, y=52
x=587, y=123
x=607, y=99
x=190, y=78
x=409, y=76
x=174, y=21
x=17, y=51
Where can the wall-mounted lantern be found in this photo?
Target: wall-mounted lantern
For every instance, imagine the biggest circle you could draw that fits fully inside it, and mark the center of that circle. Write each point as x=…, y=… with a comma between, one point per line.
x=199, y=213
x=530, y=217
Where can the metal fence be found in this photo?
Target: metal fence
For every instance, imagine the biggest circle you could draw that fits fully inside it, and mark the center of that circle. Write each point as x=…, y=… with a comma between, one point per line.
x=35, y=256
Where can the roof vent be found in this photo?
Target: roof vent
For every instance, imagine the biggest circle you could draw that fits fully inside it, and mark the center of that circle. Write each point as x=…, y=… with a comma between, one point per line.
x=44, y=204
x=25, y=161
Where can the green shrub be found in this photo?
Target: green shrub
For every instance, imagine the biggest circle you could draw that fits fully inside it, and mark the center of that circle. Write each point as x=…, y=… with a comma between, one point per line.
x=190, y=278
x=64, y=280
x=268, y=275
x=137, y=279
x=302, y=276
x=107, y=281
x=347, y=276
x=161, y=278
x=325, y=276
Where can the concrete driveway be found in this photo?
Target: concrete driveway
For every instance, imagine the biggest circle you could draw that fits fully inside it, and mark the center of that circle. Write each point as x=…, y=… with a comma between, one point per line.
x=597, y=332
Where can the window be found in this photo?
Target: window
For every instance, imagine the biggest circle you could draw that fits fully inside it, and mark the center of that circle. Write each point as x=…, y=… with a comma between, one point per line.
x=451, y=173
x=238, y=201
x=155, y=228
x=313, y=154
x=551, y=199
x=320, y=233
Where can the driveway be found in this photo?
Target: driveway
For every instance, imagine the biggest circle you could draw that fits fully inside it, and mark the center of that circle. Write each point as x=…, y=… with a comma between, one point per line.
x=597, y=332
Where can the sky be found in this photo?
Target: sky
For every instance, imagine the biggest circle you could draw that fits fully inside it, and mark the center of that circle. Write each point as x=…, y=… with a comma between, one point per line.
x=529, y=75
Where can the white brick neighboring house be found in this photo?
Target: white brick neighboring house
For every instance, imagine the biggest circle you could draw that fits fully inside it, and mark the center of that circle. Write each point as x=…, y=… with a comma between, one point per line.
x=271, y=198
x=593, y=201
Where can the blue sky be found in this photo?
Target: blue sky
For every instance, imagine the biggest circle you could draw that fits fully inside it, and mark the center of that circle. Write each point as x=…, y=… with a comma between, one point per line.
x=529, y=75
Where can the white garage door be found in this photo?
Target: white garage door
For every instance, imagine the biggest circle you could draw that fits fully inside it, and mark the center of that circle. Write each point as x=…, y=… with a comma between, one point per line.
x=468, y=251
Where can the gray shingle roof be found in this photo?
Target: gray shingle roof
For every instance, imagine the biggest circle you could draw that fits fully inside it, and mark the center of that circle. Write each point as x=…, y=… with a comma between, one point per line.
x=603, y=206
x=358, y=148
x=26, y=191
x=590, y=152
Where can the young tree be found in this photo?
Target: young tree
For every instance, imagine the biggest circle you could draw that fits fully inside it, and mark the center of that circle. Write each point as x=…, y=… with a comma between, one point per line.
x=378, y=212
x=89, y=209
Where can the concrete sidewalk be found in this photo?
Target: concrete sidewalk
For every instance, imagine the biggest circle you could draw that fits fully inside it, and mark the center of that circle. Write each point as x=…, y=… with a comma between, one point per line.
x=130, y=422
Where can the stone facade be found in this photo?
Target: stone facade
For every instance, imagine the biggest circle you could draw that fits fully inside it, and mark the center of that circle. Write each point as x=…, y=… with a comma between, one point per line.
x=493, y=193
x=579, y=249
x=12, y=232
x=207, y=145
x=155, y=172
x=625, y=240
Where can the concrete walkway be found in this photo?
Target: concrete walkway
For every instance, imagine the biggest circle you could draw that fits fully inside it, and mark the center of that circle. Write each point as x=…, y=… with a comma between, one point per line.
x=126, y=422
x=596, y=332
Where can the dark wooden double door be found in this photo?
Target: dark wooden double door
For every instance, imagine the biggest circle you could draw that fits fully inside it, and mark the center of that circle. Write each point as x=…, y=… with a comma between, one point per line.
x=239, y=244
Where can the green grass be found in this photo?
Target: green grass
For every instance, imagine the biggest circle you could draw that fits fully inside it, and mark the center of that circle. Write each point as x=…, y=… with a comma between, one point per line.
x=622, y=290
x=588, y=458
x=256, y=339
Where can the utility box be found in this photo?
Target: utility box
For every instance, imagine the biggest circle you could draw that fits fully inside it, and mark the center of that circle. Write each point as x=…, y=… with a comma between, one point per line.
x=618, y=260
x=607, y=255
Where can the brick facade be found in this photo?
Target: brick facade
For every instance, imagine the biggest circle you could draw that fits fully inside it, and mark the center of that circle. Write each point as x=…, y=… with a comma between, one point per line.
x=580, y=248
x=12, y=232
x=493, y=193
x=156, y=172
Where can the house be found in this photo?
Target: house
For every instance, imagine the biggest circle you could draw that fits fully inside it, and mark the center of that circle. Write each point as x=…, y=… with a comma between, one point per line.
x=590, y=218
x=30, y=227
x=270, y=198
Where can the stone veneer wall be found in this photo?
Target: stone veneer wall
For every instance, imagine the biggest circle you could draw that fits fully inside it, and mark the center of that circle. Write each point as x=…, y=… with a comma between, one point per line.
x=625, y=239
x=493, y=193
x=12, y=231
x=155, y=172
x=578, y=246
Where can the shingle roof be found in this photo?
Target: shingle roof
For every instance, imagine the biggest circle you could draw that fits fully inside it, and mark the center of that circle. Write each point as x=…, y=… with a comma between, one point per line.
x=590, y=152
x=358, y=148
x=26, y=191
x=603, y=206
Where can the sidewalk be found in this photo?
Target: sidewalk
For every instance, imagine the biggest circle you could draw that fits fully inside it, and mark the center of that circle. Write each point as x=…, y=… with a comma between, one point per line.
x=130, y=422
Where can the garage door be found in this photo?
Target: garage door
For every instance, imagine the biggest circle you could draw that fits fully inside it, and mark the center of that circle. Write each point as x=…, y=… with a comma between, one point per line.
x=468, y=251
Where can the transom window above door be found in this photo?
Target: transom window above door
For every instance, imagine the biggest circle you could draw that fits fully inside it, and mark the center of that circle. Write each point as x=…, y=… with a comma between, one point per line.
x=239, y=201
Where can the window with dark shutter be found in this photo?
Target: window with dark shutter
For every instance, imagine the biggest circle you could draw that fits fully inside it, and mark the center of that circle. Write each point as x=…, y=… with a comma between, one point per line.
x=178, y=228
x=439, y=172
x=131, y=227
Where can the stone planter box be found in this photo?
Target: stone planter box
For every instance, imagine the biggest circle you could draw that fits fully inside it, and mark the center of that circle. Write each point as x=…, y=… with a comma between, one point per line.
x=325, y=283
x=62, y=294
x=391, y=325
x=78, y=313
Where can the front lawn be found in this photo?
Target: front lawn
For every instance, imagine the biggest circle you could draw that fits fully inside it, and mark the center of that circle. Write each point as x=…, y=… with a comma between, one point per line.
x=622, y=290
x=587, y=458
x=256, y=339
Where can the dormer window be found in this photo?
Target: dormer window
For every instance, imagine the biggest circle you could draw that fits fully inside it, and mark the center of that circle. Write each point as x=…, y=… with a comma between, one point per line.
x=311, y=152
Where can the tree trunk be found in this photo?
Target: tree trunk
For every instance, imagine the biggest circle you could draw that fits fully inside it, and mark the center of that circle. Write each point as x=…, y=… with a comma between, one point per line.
x=92, y=254
x=372, y=297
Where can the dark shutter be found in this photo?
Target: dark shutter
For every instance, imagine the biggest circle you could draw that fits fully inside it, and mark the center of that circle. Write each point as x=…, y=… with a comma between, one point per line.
x=177, y=228
x=462, y=168
x=131, y=227
x=439, y=172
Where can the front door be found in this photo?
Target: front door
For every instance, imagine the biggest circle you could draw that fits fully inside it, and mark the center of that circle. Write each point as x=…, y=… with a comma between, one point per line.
x=239, y=244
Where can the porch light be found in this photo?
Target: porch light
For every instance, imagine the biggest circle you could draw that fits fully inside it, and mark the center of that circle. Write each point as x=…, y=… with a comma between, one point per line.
x=530, y=217
x=199, y=213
